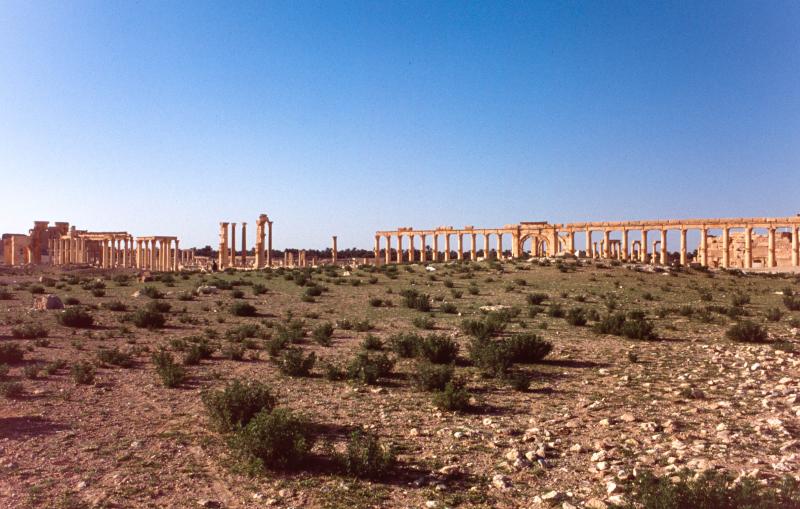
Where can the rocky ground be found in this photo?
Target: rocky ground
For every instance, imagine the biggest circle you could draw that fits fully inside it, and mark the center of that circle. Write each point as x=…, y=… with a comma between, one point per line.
x=600, y=408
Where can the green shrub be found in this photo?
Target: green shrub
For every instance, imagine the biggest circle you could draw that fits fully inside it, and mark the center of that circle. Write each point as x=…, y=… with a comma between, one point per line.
x=233, y=351
x=519, y=381
x=83, y=372
x=454, y=397
x=366, y=457
x=75, y=317
x=29, y=331
x=492, y=325
x=145, y=319
x=555, y=310
x=11, y=390
x=535, y=299
x=235, y=405
x=11, y=353
x=494, y=358
x=633, y=326
x=294, y=363
x=115, y=357
x=423, y=322
x=747, y=331
x=375, y=302
x=774, y=314
x=438, y=349
x=115, y=305
x=433, y=377
x=363, y=326
x=372, y=342
x=240, y=308
x=243, y=331
x=98, y=292
x=449, y=308
x=412, y=299
x=259, y=289
x=158, y=306
x=576, y=316
x=323, y=333
x=192, y=356
x=237, y=294
x=528, y=348
x=791, y=302
x=405, y=344
x=171, y=373
x=275, y=439
x=369, y=368
x=291, y=332
x=152, y=292
x=710, y=490
x=333, y=372
x=740, y=299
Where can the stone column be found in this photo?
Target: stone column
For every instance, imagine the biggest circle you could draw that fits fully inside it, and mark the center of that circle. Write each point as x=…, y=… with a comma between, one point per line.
x=388, y=254
x=377, y=249
x=460, y=252
x=486, y=246
x=606, y=244
x=175, y=263
x=571, y=242
x=222, y=258
x=589, y=244
x=624, y=244
x=447, y=247
x=726, y=247
x=399, y=248
x=244, y=245
x=435, y=252
x=423, y=249
x=748, y=247
x=499, y=246
x=334, y=251
x=643, y=247
x=703, y=249
x=683, y=246
x=795, y=240
x=663, y=247
x=232, y=262
x=771, y=247
x=262, y=219
x=473, y=252
x=411, y=253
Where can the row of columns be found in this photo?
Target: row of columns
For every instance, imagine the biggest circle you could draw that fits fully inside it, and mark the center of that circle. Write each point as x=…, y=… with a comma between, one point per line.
x=423, y=252
x=157, y=254
x=227, y=244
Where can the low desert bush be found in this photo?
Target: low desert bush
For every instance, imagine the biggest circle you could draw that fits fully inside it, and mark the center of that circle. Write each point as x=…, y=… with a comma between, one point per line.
x=423, y=322
x=83, y=372
x=438, y=349
x=528, y=348
x=116, y=357
x=433, y=377
x=152, y=292
x=171, y=373
x=11, y=353
x=29, y=331
x=369, y=368
x=747, y=331
x=576, y=316
x=241, y=308
x=75, y=317
x=232, y=407
x=294, y=363
x=11, y=390
x=275, y=439
x=405, y=344
x=323, y=333
x=145, y=319
x=366, y=457
x=372, y=342
x=454, y=397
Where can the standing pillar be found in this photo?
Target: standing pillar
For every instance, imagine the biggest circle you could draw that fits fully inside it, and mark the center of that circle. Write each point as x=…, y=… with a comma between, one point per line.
x=334, y=251
x=589, y=244
x=473, y=252
x=423, y=249
x=388, y=254
x=447, y=247
x=571, y=242
x=460, y=252
x=624, y=244
x=233, y=246
x=606, y=244
x=795, y=253
x=103, y=254
x=222, y=258
x=771, y=248
x=269, y=244
x=175, y=263
x=486, y=246
x=244, y=245
x=377, y=249
x=399, y=248
x=703, y=247
x=683, y=246
x=643, y=247
x=411, y=252
x=663, y=247
x=435, y=252
x=726, y=247
x=499, y=246
x=748, y=247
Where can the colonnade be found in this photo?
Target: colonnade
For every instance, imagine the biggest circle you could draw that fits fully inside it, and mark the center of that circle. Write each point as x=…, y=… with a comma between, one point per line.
x=639, y=241
x=227, y=256
x=106, y=249
x=157, y=253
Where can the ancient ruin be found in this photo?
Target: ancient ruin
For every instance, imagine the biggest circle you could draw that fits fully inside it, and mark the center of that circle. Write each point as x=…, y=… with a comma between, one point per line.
x=227, y=245
x=63, y=244
x=778, y=247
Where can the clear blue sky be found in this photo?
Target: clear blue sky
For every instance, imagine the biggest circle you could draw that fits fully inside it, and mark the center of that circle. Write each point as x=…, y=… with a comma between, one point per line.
x=344, y=118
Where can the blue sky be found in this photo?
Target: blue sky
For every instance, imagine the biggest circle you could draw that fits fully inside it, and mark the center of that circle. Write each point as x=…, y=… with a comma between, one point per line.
x=348, y=117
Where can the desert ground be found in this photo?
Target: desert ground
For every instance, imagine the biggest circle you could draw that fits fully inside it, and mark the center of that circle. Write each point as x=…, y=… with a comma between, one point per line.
x=87, y=420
